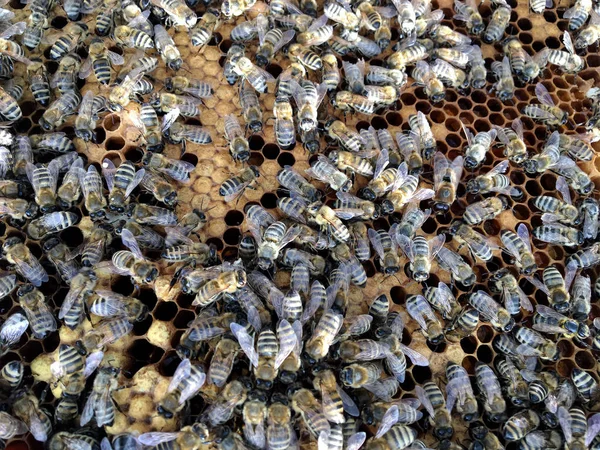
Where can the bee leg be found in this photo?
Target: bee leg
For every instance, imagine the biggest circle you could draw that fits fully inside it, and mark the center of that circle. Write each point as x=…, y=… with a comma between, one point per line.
x=183, y=147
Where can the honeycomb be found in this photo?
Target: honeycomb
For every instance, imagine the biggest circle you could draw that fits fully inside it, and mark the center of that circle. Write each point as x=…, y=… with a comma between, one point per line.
x=148, y=354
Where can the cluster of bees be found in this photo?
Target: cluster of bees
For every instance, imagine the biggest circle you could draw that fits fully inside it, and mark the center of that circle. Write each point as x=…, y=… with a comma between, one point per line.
x=281, y=365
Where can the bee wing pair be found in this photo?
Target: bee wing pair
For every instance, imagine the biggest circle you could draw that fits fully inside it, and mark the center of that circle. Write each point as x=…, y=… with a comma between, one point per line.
x=192, y=384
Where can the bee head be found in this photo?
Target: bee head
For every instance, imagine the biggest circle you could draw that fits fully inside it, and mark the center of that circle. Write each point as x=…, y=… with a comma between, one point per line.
x=25, y=289
x=31, y=211
x=454, y=227
x=175, y=64
x=470, y=162
x=509, y=325
x=50, y=244
x=163, y=412
x=441, y=208
x=168, y=83
x=443, y=432
x=147, y=158
x=152, y=275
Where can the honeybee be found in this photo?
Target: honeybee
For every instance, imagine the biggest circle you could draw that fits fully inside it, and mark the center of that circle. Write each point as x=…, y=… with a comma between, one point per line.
x=418, y=308
x=234, y=394
x=350, y=140
x=586, y=385
x=468, y=13
x=11, y=426
x=28, y=410
x=331, y=74
x=91, y=186
x=194, y=435
x=343, y=16
x=180, y=133
x=235, y=52
x=520, y=424
x=513, y=296
x=38, y=81
x=100, y=404
x=446, y=178
x=478, y=72
x=234, y=187
x=323, y=170
x=317, y=346
x=505, y=85
x=524, y=66
x=238, y=144
x=519, y=247
x=104, y=333
x=425, y=77
x=11, y=331
x=187, y=380
x=132, y=262
x=59, y=110
x=556, y=210
x=257, y=77
x=72, y=368
x=228, y=282
x=121, y=182
x=166, y=47
x=460, y=393
x=433, y=400
x=515, y=386
x=386, y=248
x=444, y=35
x=305, y=404
x=72, y=35
x=347, y=101
x=222, y=361
x=132, y=38
x=546, y=112
x=109, y=304
x=179, y=13
x=568, y=61
x=120, y=94
x=498, y=22
x=477, y=244
x=558, y=234
x=464, y=324
x=38, y=313
x=591, y=33
x=26, y=264
x=285, y=132
x=534, y=344
x=575, y=176
x=51, y=223
x=490, y=310
x=489, y=386
x=100, y=60
x=81, y=288
x=512, y=140
x=547, y=320
x=18, y=209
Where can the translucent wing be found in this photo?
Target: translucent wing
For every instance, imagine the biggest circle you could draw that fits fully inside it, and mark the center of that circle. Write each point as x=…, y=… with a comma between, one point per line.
x=130, y=242
x=108, y=170
x=182, y=372
x=12, y=330
x=287, y=341
x=416, y=358
x=137, y=179
x=88, y=410
x=92, y=362
x=424, y=398
x=191, y=389
x=384, y=388
x=523, y=233
x=157, y=437
x=440, y=165
x=389, y=419
x=105, y=444
x=563, y=188
x=382, y=161
x=169, y=119
x=546, y=311
x=287, y=37
x=349, y=406
x=436, y=244
x=568, y=42
x=543, y=95
x=499, y=168
x=356, y=441
x=593, y=428
x=246, y=342
x=376, y=242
